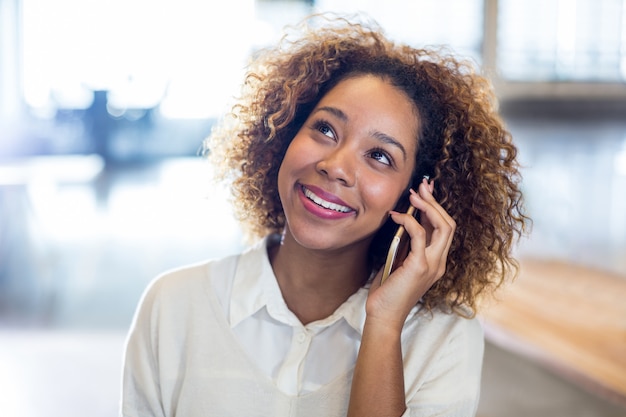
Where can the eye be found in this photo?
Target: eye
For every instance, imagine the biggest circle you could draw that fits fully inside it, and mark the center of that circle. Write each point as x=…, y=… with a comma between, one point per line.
x=324, y=128
x=381, y=156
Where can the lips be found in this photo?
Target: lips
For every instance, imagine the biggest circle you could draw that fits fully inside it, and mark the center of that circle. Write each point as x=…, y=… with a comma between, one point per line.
x=325, y=200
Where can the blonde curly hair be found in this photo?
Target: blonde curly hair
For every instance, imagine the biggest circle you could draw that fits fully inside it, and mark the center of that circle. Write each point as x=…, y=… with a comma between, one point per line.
x=463, y=144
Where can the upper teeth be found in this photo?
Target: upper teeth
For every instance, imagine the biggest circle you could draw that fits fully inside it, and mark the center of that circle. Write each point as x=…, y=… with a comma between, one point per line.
x=326, y=204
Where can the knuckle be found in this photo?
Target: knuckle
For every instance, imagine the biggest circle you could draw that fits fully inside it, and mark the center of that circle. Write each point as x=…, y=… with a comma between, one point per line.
x=420, y=231
x=421, y=269
x=450, y=226
x=441, y=271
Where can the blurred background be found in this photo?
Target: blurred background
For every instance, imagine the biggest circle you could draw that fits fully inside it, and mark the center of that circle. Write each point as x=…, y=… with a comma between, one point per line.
x=103, y=109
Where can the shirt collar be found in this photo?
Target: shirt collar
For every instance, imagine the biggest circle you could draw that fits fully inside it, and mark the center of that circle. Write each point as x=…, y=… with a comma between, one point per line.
x=255, y=287
x=352, y=310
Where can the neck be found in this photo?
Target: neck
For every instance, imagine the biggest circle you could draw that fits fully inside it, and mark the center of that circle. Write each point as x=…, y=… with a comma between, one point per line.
x=314, y=283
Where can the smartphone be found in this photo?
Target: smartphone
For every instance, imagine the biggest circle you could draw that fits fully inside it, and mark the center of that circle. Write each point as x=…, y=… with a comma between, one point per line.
x=398, y=250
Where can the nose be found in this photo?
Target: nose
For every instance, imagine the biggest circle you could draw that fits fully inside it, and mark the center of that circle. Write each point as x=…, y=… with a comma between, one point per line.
x=339, y=165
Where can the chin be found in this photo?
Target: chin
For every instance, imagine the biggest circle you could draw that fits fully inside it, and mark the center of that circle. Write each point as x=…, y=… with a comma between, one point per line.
x=332, y=240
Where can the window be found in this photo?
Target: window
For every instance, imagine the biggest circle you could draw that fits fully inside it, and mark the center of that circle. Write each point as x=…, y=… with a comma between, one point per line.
x=562, y=40
x=455, y=23
x=185, y=56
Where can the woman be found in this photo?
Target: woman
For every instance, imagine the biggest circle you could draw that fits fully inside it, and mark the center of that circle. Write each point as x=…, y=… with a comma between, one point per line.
x=335, y=135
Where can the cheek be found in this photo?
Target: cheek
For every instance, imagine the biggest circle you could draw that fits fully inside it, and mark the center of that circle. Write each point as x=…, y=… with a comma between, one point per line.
x=293, y=159
x=288, y=161
x=298, y=155
x=383, y=196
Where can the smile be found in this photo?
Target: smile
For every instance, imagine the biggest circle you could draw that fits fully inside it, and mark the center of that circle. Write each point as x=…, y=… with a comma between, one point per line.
x=323, y=203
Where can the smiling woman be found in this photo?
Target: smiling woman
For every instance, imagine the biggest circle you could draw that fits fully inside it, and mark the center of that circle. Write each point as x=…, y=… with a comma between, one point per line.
x=335, y=135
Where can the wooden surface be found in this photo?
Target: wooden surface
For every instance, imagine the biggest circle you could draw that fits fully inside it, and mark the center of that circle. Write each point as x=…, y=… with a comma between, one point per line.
x=570, y=318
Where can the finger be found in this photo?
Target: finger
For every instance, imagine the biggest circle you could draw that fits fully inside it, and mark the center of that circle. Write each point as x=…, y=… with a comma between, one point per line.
x=426, y=224
x=434, y=215
x=425, y=261
x=416, y=232
x=426, y=192
x=437, y=218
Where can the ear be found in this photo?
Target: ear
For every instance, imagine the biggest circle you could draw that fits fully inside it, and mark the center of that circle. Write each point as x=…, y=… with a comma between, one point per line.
x=402, y=205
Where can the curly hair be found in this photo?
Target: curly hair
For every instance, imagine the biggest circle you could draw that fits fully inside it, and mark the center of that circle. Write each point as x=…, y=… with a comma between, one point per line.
x=462, y=144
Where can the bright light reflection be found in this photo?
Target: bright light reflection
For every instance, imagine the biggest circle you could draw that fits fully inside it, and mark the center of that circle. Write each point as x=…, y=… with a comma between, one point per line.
x=423, y=22
x=66, y=214
x=189, y=54
x=623, y=41
x=179, y=204
x=207, y=53
x=566, y=34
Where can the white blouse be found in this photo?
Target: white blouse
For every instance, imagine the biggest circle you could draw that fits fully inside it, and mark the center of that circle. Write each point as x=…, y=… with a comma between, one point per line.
x=217, y=338
x=299, y=359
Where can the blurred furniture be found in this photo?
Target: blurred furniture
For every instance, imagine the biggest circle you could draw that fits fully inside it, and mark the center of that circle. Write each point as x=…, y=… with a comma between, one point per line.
x=570, y=318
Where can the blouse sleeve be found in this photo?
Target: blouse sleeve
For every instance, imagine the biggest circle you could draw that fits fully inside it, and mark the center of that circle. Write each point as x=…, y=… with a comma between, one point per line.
x=449, y=385
x=141, y=394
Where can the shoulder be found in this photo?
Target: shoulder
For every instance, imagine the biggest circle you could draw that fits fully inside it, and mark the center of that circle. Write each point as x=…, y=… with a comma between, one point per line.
x=434, y=332
x=443, y=355
x=187, y=282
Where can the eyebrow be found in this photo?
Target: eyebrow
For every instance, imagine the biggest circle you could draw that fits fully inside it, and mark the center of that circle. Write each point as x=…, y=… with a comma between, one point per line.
x=383, y=137
x=334, y=111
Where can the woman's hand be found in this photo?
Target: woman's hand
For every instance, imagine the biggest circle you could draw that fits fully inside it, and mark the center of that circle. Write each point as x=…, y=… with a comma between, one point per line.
x=378, y=382
x=425, y=263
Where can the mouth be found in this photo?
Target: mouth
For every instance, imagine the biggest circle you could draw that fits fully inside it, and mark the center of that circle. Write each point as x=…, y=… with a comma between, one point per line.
x=310, y=195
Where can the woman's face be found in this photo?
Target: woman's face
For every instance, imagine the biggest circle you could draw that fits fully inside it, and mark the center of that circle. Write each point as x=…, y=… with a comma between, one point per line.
x=348, y=164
